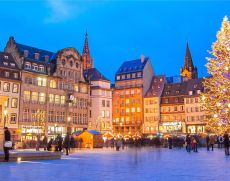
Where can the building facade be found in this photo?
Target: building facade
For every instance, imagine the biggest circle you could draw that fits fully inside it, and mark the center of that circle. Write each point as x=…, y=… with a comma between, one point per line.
x=195, y=115
x=100, y=117
x=152, y=101
x=132, y=81
x=54, y=93
x=10, y=81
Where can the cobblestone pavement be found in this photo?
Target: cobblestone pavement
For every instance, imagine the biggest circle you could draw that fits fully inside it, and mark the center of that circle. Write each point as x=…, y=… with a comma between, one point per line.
x=143, y=164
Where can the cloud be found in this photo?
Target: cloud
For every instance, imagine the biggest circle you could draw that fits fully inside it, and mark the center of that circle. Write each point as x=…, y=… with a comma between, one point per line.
x=59, y=11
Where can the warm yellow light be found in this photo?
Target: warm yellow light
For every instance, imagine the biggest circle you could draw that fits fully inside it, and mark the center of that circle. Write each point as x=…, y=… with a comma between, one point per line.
x=19, y=159
x=5, y=112
x=226, y=68
x=229, y=105
x=203, y=97
x=215, y=116
x=68, y=118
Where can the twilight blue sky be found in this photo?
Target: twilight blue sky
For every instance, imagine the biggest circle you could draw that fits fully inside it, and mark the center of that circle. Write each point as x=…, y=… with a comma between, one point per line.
x=118, y=30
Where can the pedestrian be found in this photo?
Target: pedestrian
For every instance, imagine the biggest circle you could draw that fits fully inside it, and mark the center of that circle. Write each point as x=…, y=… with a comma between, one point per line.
x=207, y=142
x=220, y=141
x=44, y=142
x=49, y=145
x=212, y=141
x=59, y=142
x=226, y=143
x=170, y=142
x=188, y=143
x=7, y=144
x=66, y=143
x=194, y=144
x=37, y=142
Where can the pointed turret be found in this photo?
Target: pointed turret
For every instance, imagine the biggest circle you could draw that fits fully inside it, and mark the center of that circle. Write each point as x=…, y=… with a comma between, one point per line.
x=188, y=71
x=86, y=54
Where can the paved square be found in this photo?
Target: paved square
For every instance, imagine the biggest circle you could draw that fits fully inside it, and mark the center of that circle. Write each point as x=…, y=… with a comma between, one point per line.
x=139, y=164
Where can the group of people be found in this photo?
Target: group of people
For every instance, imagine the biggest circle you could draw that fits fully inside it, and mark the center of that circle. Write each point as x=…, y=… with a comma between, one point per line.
x=191, y=143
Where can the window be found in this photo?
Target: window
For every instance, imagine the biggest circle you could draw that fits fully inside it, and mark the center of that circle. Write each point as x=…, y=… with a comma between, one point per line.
x=41, y=68
x=13, y=118
x=108, y=103
x=107, y=114
x=198, y=91
x=127, y=110
x=15, y=88
x=176, y=100
x=15, y=75
x=34, y=97
x=27, y=65
x=53, y=84
x=42, y=97
x=41, y=81
x=123, y=77
x=34, y=67
x=14, y=102
x=166, y=100
x=103, y=103
x=103, y=114
x=139, y=74
x=51, y=98
x=26, y=114
x=5, y=63
x=190, y=93
x=133, y=75
x=26, y=95
x=76, y=88
x=128, y=76
x=7, y=74
x=6, y=87
x=175, y=108
x=62, y=99
x=138, y=109
x=57, y=99
x=118, y=77
x=133, y=109
x=51, y=117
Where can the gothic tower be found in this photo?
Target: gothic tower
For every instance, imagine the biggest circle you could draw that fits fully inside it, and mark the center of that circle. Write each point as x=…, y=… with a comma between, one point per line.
x=87, y=62
x=188, y=71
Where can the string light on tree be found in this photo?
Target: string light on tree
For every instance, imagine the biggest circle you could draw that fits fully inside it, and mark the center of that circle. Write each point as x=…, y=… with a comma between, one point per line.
x=216, y=99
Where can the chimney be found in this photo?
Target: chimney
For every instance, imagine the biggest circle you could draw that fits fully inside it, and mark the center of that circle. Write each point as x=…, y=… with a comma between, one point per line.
x=92, y=63
x=46, y=58
x=26, y=53
x=142, y=58
x=36, y=56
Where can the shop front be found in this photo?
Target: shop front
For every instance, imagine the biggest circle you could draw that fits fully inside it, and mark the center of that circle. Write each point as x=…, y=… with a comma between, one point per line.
x=175, y=127
x=195, y=129
x=55, y=130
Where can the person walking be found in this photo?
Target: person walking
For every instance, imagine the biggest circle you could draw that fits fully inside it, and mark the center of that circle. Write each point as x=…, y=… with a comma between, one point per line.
x=59, y=142
x=212, y=141
x=44, y=142
x=207, y=142
x=220, y=141
x=38, y=142
x=188, y=143
x=66, y=143
x=170, y=142
x=194, y=144
x=7, y=144
x=226, y=143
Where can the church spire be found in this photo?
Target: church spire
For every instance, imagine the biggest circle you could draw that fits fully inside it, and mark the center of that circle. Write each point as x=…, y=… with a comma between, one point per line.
x=188, y=64
x=188, y=71
x=86, y=53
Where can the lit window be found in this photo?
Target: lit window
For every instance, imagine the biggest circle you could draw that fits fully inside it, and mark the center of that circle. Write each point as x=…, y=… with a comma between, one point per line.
x=118, y=77
x=138, y=109
x=7, y=74
x=62, y=99
x=103, y=114
x=42, y=81
x=34, y=96
x=5, y=63
x=13, y=118
x=53, y=84
x=26, y=95
x=76, y=88
x=14, y=102
x=42, y=97
x=190, y=93
x=127, y=110
x=15, y=75
x=133, y=109
x=27, y=65
x=15, y=88
x=51, y=98
x=6, y=87
x=57, y=99
x=41, y=68
x=127, y=101
x=34, y=67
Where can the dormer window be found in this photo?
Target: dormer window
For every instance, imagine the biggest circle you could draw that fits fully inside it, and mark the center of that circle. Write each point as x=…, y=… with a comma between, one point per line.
x=26, y=53
x=5, y=63
x=12, y=64
x=167, y=93
x=133, y=75
x=46, y=58
x=198, y=91
x=118, y=77
x=195, y=86
x=36, y=56
x=139, y=74
x=6, y=56
x=27, y=65
x=123, y=77
x=41, y=68
x=7, y=74
x=15, y=75
x=34, y=67
x=190, y=93
x=177, y=92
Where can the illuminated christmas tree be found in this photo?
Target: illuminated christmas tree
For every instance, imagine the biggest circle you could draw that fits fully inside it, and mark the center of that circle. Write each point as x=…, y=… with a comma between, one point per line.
x=216, y=99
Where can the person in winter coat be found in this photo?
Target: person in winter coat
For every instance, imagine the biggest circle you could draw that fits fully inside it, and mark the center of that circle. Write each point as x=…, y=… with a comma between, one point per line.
x=66, y=143
x=208, y=142
x=188, y=143
x=49, y=145
x=6, y=148
x=59, y=143
x=226, y=143
x=212, y=141
x=44, y=142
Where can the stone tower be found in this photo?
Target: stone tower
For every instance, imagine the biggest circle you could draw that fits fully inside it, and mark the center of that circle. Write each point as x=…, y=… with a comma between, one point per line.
x=87, y=62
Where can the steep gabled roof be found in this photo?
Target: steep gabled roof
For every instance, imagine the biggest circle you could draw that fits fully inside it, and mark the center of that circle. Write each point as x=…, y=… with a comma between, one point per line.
x=132, y=66
x=8, y=58
x=93, y=74
x=156, y=86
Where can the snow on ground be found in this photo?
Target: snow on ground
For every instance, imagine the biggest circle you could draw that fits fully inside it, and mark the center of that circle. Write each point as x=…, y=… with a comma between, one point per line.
x=134, y=164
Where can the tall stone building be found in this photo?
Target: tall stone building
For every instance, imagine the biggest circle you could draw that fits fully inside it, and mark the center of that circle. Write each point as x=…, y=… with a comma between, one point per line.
x=100, y=117
x=188, y=71
x=54, y=93
x=152, y=101
x=132, y=81
x=10, y=80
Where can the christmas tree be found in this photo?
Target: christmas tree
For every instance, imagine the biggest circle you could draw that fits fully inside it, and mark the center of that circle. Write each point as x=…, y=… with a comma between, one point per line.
x=216, y=98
